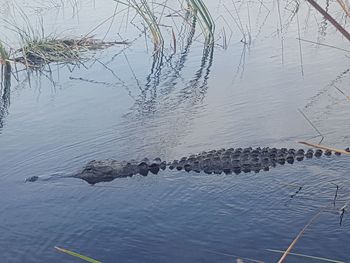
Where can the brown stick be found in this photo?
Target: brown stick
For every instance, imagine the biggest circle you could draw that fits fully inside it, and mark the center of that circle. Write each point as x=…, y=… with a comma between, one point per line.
x=342, y=92
x=285, y=254
x=330, y=19
x=345, y=8
x=324, y=147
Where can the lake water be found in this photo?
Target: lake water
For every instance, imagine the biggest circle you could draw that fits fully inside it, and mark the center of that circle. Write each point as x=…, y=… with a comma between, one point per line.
x=125, y=102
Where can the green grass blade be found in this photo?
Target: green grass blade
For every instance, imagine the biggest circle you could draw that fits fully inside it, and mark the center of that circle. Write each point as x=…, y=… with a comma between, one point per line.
x=74, y=254
x=206, y=22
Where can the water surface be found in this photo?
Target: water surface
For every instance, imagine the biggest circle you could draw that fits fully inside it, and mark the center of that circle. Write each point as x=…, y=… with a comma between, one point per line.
x=127, y=103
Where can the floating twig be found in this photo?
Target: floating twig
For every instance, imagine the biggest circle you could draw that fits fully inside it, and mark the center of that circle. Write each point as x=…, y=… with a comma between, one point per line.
x=336, y=194
x=344, y=7
x=296, y=192
x=324, y=147
x=307, y=256
x=74, y=254
x=287, y=252
x=313, y=126
x=342, y=92
x=322, y=44
x=342, y=30
x=342, y=212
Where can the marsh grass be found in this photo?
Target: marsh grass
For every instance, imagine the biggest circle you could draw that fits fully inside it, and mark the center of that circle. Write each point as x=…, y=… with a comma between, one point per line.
x=5, y=65
x=143, y=9
x=37, y=49
x=149, y=17
x=207, y=24
x=5, y=83
x=4, y=54
x=153, y=23
x=38, y=52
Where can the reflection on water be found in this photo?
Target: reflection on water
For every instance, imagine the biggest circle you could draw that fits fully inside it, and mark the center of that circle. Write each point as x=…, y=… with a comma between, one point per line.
x=330, y=104
x=241, y=65
x=329, y=87
x=169, y=79
x=170, y=103
x=5, y=85
x=196, y=88
x=323, y=25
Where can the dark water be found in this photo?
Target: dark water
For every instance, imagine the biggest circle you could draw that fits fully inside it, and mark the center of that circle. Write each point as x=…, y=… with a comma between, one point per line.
x=126, y=103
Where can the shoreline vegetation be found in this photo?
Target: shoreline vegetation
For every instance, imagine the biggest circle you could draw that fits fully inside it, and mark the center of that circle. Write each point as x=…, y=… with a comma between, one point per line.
x=38, y=50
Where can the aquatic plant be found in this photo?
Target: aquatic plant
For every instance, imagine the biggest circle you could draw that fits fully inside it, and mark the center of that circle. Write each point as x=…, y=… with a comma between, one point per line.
x=37, y=49
x=37, y=52
x=4, y=55
x=196, y=8
x=5, y=65
x=200, y=10
x=143, y=9
x=5, y=83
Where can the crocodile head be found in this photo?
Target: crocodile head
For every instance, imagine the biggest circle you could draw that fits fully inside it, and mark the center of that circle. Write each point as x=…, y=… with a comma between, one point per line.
x=105, y=171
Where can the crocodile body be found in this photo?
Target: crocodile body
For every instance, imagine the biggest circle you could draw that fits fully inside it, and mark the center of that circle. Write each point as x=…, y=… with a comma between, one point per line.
x=215, y=161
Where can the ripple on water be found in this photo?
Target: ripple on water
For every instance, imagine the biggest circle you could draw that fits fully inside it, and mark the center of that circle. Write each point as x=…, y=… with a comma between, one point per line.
x=199, y=99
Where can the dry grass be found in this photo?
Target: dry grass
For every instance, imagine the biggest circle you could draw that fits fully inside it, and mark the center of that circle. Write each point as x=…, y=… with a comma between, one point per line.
x=325, y=147
x=37, y=53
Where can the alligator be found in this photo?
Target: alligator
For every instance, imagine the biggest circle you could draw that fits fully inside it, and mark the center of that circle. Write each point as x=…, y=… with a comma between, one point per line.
x=215, y=161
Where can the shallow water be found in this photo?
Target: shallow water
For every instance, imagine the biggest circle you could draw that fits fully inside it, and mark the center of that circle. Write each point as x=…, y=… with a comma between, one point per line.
x=127, y=104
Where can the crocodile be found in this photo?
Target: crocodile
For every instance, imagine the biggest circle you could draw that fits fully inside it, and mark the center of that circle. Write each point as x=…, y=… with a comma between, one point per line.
x=215, y=161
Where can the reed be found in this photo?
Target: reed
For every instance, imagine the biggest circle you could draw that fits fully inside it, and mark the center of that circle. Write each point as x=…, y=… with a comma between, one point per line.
x=207, y=24
x=4, y=54
x=5, y=68
x=36, y=48
x=196, y=8
x=38, y=52
x=143, y=9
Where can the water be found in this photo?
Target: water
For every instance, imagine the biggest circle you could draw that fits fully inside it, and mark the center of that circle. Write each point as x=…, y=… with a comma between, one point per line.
x=126, y=103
